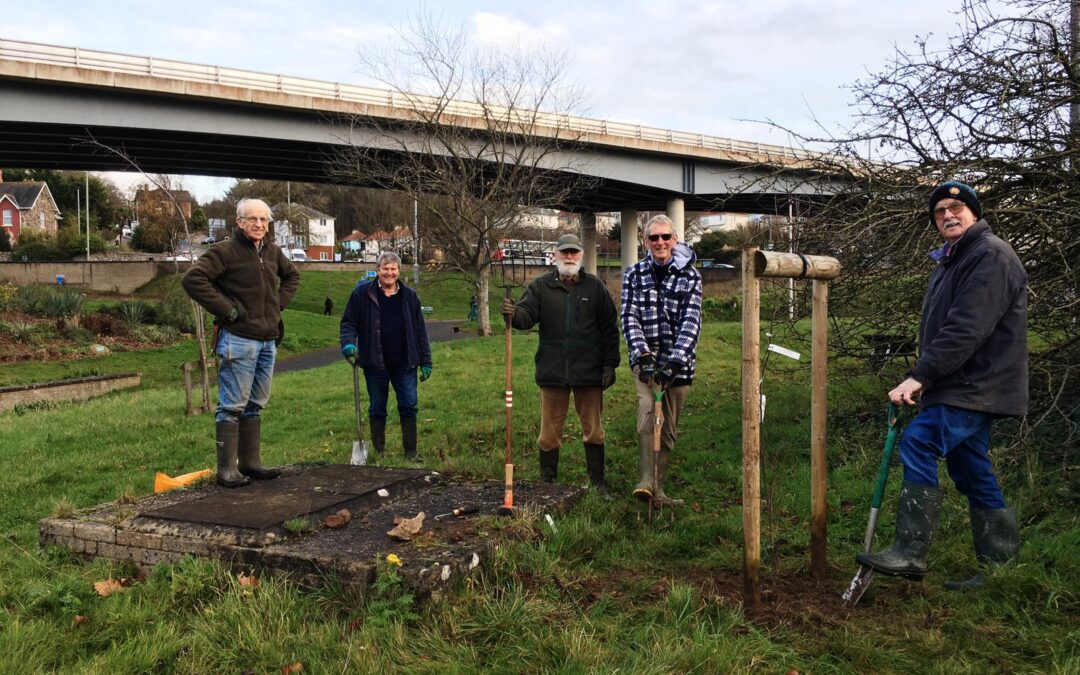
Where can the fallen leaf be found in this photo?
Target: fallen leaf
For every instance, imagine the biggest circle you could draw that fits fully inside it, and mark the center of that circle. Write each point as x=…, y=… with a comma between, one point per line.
x=292, y=668
x=346, y=514
x=108, y=587
x=78, y=619
x=335, y=521
x=355, y=624
x=246, y=581
x=407, y=528
x=695, y=507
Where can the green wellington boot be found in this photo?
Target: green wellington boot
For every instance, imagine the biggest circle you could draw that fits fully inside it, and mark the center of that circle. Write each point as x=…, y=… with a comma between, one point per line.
x=228, y=435
x=996, y=537
x=643, y=491
x=250, y=462
x=917, y=512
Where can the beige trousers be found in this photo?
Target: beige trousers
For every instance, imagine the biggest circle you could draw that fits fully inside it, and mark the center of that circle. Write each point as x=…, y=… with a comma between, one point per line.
x=554, y=403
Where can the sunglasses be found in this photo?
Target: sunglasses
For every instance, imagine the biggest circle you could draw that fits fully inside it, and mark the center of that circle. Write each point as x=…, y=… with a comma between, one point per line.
x=657, y=237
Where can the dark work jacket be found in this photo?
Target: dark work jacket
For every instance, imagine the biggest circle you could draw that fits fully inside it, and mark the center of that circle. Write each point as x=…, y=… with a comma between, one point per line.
x=579, y=329
x=259, y=283
x=973, y=337
x=361, y=325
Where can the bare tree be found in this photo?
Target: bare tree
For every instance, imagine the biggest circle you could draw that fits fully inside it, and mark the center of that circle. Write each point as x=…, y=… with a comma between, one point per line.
x=997, y=108
x=483, y=138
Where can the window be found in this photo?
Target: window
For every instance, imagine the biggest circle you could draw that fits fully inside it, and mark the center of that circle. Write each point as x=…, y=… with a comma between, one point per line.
x=7, y=218
x=323, y=255
x=41, y=220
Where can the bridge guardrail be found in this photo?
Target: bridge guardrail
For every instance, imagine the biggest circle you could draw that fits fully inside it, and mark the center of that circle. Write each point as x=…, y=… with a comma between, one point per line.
x=34, y=52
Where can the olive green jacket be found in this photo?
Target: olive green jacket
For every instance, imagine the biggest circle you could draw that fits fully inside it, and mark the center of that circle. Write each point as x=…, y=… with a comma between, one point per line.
x=579, y=329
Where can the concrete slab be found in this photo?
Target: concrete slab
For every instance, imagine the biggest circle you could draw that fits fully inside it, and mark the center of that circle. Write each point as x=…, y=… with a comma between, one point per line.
x=279, y=526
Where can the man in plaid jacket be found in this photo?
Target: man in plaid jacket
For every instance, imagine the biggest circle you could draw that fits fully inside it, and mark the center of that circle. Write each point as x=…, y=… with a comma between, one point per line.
x=661, y=320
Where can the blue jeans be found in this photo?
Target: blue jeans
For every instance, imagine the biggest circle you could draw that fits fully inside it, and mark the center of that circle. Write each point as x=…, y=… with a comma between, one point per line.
x=245, y=367
x=962, y=437
x=379, y=381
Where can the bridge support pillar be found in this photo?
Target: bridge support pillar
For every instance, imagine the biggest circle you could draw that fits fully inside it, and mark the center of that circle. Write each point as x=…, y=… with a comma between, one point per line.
x=629, y=235
x=677, y=213
x=588, y=241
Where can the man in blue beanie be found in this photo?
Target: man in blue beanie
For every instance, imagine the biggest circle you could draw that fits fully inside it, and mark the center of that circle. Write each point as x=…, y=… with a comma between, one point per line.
x=972, y=368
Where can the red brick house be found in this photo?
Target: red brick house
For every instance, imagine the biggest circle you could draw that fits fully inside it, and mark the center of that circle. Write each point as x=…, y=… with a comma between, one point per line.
x=27, y=206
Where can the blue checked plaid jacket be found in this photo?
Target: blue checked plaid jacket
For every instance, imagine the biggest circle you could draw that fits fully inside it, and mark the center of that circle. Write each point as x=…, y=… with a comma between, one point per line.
x=664, y=322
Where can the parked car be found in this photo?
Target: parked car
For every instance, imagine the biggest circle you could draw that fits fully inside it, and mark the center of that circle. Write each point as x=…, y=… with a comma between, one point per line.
x=297, y=255
x=209, y=241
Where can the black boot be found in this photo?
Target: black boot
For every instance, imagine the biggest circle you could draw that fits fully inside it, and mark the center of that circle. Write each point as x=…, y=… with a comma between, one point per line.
x=250, y=463
x=549, y=466
x=997, y=542
x=643, y=491
x=408, y=439
x=378, y=434
x=917, y=512
x=227, y=438
x=594, y=464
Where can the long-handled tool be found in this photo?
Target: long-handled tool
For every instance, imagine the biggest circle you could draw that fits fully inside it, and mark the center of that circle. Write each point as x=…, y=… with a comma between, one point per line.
x=458, y=512
x=359, y=446
x=507, y=507
x=866, y=574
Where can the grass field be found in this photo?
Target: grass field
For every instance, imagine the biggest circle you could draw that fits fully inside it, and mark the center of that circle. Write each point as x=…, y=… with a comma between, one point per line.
x=605, y=593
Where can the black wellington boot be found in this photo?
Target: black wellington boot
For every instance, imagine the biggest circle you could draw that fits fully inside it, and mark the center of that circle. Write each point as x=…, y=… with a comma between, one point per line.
x=996, y=537
x=594, y=464
x=917, y=512
x=378, y=434
x=408, y=439
x=549, y=466
x=250, y=463
x=227, y=439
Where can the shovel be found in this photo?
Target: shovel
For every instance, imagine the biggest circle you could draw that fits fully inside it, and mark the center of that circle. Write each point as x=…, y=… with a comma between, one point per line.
x=866, y=574
x=359, y=446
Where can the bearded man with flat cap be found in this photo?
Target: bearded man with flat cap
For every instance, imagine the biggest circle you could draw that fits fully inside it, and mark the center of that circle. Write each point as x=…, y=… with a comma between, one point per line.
x=971, y=369
x=577, y=355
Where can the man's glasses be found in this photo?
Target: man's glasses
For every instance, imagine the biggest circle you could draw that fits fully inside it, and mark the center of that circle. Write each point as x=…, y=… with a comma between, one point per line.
x=657, y=237
x=254, y=219
x=955, y=208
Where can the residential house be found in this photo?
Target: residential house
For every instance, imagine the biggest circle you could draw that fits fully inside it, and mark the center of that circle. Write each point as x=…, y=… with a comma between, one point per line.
x=398, y=240
x=27, y=206
x=299, y=226
x=158, y=201
x=356, y=246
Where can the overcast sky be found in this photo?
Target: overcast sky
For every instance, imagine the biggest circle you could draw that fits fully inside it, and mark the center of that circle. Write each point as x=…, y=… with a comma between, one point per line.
x=719, y=67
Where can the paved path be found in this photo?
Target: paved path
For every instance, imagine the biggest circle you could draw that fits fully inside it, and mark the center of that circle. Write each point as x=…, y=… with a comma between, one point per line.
x=438, y=331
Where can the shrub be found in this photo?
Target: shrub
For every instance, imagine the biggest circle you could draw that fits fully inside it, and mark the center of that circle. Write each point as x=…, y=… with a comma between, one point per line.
x=133, y=311
x=73, y=243
x=5, y=241
x=30, y=298
x=7, y=295
x=62, y=304
x=105, y=324
x=20, y=331
x=155, y=334
x=175, y=310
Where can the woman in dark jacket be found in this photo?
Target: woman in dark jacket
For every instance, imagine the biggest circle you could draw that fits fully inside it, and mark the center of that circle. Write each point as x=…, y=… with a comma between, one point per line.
x=383, y=332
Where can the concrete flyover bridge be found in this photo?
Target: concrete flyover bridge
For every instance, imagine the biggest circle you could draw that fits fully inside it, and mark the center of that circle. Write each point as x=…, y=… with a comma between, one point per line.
x=185, y=118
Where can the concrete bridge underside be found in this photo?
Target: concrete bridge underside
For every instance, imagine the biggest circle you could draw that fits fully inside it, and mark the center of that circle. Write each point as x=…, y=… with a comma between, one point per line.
x=52, y=125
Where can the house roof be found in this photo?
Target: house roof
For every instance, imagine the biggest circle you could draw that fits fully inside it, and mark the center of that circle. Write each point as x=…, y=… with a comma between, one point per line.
x=23, y=193
x=178, y=195
x=307, y=211
x=355, y=235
